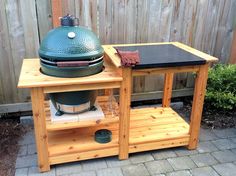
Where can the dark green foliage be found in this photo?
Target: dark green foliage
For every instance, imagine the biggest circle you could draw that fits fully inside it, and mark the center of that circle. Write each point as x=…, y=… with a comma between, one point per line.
x=221, y=87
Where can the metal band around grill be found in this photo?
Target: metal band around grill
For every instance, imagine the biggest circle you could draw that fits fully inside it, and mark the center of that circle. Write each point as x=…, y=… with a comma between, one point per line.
x=73, y=109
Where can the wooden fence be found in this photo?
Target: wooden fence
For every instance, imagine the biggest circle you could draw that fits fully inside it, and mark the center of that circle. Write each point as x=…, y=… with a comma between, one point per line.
x=206, y=25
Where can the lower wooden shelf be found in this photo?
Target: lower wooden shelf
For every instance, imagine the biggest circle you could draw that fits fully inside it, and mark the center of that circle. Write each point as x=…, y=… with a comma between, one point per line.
x=79, y=144
x=150, y=128
x=156, y=128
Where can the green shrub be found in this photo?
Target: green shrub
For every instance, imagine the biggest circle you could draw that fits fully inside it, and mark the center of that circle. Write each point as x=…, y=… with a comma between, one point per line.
x=221, y=87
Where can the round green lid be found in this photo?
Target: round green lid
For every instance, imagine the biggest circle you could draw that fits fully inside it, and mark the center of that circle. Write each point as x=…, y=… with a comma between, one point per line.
x=70, y=43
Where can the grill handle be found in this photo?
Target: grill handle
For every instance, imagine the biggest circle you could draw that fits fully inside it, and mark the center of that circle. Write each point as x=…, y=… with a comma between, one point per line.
x=72, y=64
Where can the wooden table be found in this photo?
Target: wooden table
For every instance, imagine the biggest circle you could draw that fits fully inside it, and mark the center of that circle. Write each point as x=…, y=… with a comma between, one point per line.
x=156, y=128
x=133, y=130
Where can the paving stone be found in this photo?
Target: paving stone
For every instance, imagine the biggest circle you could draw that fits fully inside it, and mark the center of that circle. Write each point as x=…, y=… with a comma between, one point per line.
x=224, y=144
x=26, y=161
x=183, y=151
x=31, y=148
x=158, y=167
x=141, y=157
x=225, y=133
x=69, y=168
x=26, y=120
x=233, y=140
x=34, y=171
x=28, y=138
x=224, y=156
x=206, y=146
x=94, y=164
x=233, y=150
x=204, y=171
x=110, y=172
x=115, y=162
x=179, y=173
x=89, y=173
x=135, y=170
x=207, y=135
x=163, y=154
x=22, y=151
x=203, y=159
x=181, y=163
x=21, y=172
x=226, y=169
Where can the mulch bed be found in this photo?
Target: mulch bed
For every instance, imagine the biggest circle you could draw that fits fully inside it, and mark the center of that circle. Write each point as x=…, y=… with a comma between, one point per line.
x=10, y=133
x=211, y=118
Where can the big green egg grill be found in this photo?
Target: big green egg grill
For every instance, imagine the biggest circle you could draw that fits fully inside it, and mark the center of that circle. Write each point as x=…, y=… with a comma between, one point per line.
x=71, y=51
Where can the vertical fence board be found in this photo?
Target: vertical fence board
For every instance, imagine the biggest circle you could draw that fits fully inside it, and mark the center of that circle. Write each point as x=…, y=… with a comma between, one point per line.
x=86, y=11
x=16, y=39
x=44, y=15
x=105, y=13
x=68, y=7
x=153, y=35
x=176, y=34
x=225, y=31
x=7, y=72
x=30, y=26
x=141, y=37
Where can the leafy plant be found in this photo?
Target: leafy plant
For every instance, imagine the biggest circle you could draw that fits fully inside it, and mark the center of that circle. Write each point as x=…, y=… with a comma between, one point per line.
x=221, y=87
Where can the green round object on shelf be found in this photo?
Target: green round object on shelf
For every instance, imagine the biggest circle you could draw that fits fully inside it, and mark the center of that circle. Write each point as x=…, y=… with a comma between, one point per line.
x=103, y=136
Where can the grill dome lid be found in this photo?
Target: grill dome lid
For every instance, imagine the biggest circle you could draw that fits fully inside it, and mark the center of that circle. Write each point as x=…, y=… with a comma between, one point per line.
x=70, y=42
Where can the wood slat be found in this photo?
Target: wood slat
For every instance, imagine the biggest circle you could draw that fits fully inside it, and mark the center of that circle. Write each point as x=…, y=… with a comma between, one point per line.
x=84, y=155
x=176, y=142
x=44, y=12
x=56, y=12
x=166, y=70
x=30, y=26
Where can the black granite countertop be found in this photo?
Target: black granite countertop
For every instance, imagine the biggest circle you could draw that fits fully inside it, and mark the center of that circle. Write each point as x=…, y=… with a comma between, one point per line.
x=165, y=55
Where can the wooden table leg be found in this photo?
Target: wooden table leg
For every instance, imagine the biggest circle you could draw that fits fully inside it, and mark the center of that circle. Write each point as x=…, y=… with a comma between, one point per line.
x=167, y=92
x=198, y=99
x=37, y=98
x=125, y=100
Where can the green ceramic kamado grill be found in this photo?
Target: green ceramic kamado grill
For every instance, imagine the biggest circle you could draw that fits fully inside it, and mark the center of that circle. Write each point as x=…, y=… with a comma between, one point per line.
x=71, y=51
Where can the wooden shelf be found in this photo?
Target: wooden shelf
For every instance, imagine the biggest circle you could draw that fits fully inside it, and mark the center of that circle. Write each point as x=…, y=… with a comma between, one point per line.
x=151, y=128
x=155, y=128
x=110, y=117
x=79, y=144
